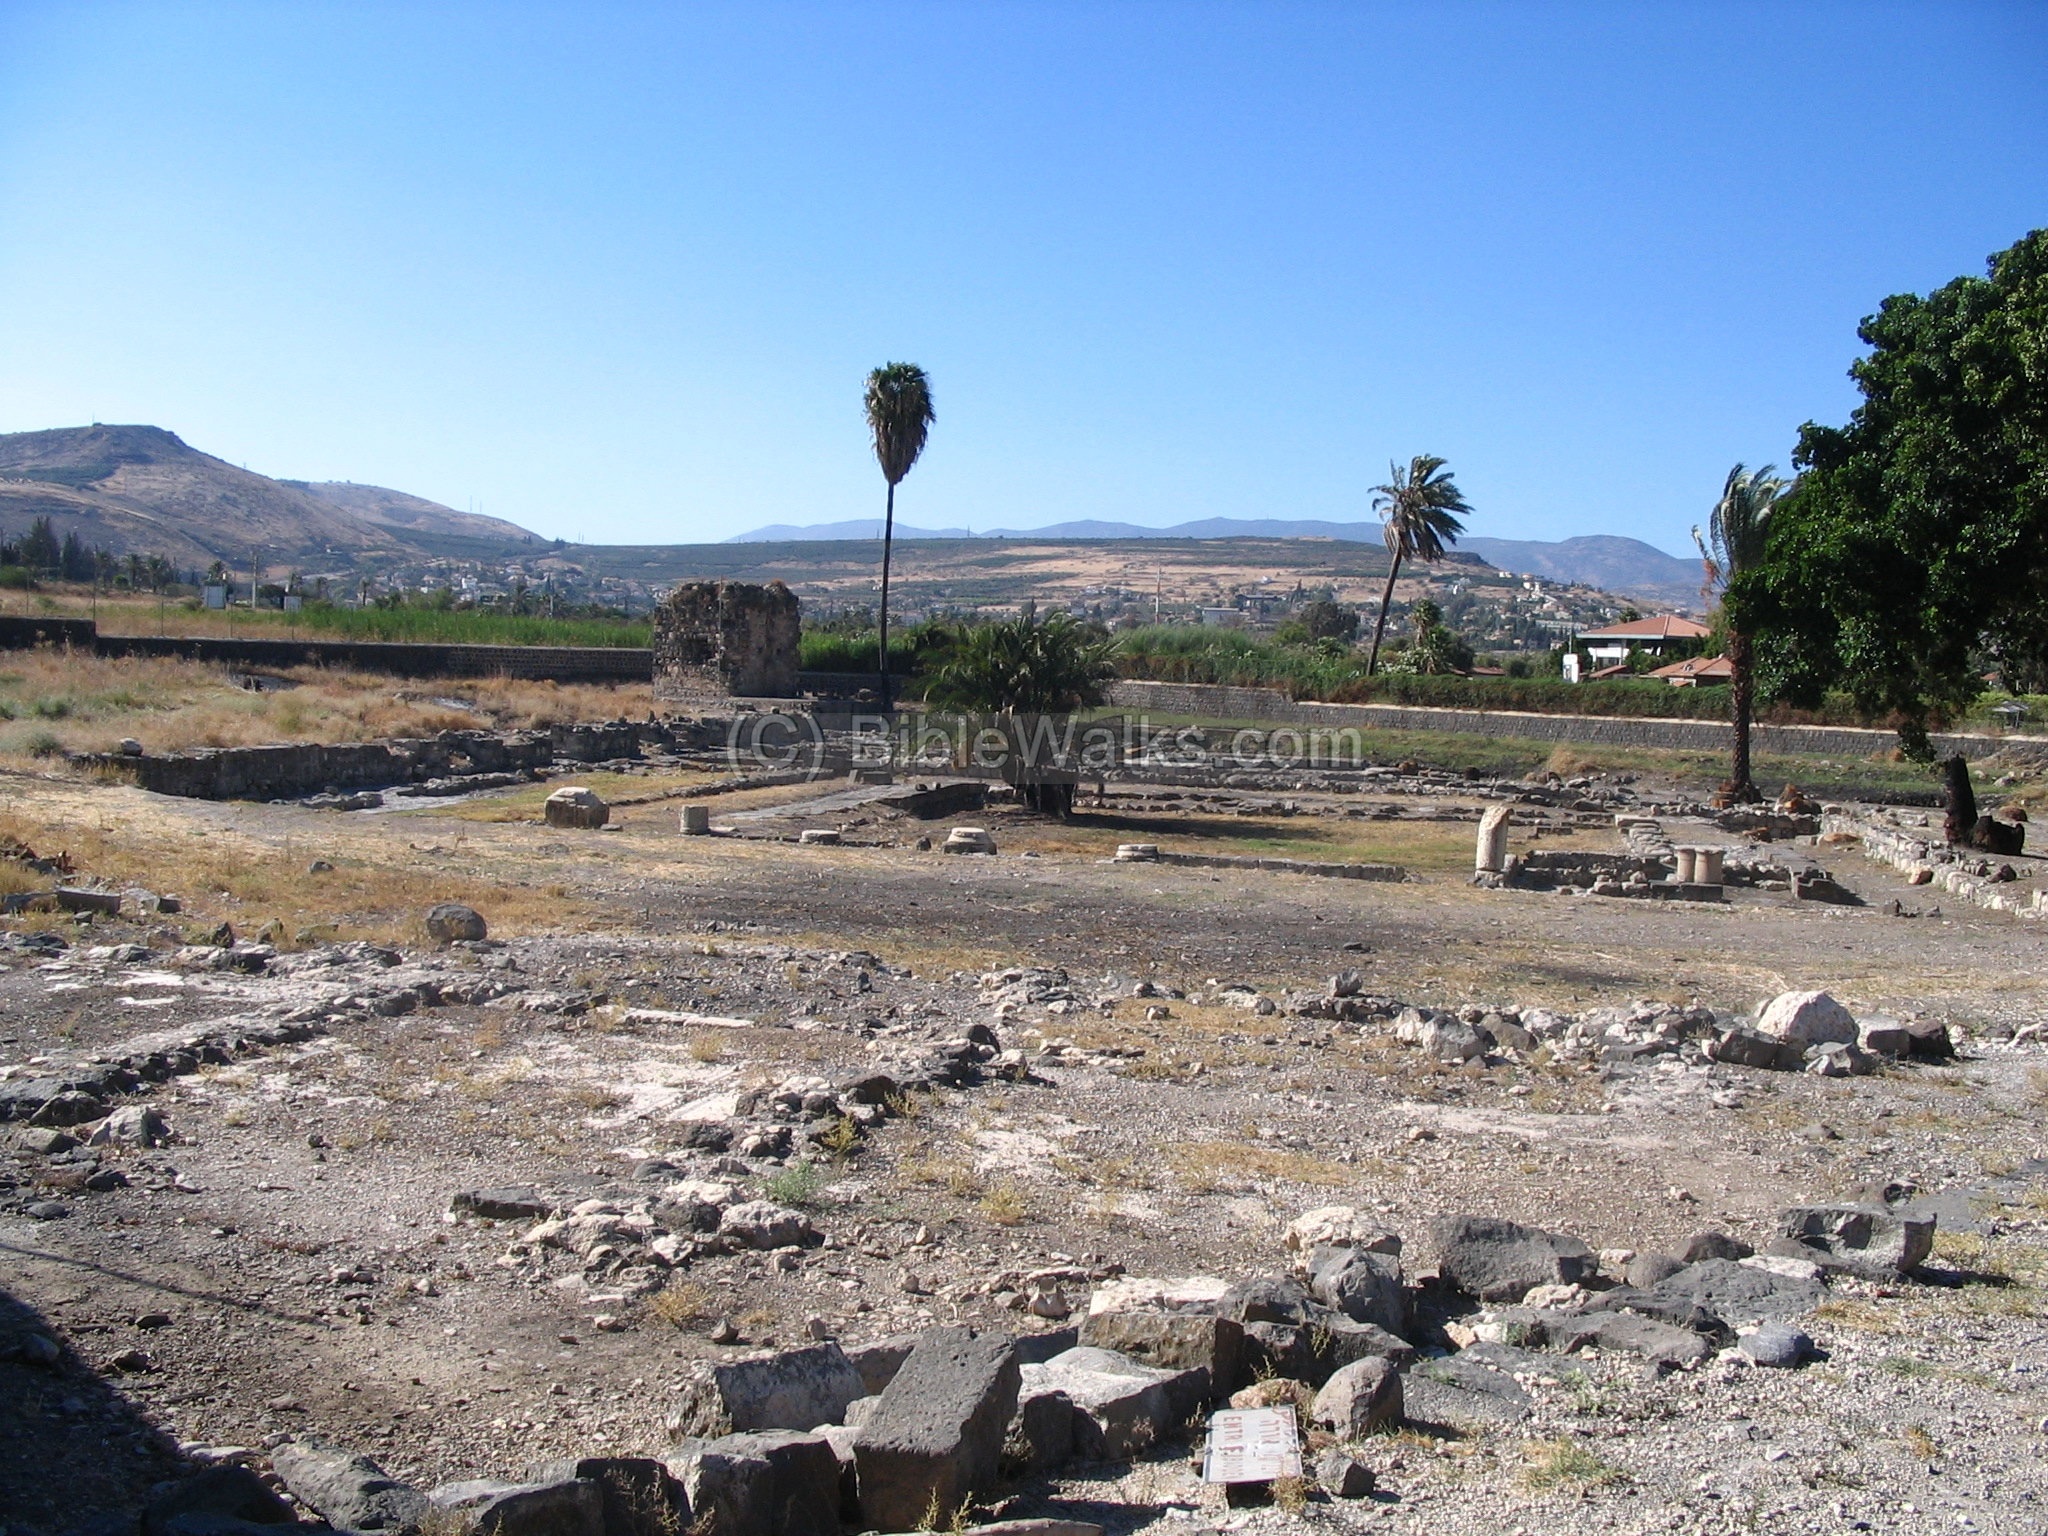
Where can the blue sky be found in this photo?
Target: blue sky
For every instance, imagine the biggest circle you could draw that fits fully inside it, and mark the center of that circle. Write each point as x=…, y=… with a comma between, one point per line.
x=617, y=272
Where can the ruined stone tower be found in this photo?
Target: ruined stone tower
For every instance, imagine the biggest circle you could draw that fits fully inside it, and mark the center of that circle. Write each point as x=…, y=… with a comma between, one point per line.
x=726, y=639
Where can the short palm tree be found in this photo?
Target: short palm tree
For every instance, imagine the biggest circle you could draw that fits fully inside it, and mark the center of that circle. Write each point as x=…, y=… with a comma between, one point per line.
x=1419, y=507
x=899, y=407
x=1023, y=666
x=1733, y=546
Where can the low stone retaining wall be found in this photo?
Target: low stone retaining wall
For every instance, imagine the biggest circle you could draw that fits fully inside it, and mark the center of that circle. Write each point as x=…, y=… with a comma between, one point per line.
x=1392, y=873
x=1204, y=701
x=293, y=769
x=1953, y=869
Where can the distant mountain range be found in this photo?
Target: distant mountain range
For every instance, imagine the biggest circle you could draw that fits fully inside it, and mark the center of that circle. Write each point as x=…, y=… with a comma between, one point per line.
x=1607, y=561
x=142, y=490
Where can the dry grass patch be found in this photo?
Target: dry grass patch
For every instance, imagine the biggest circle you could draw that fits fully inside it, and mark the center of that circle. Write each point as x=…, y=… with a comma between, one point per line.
x=130, y=838
x=77, y=702
x=1565, y=1463
x=682, y=1304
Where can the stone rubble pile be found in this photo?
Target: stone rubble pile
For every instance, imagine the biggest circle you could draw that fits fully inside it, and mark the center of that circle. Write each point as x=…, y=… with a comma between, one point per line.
x=911, y=1433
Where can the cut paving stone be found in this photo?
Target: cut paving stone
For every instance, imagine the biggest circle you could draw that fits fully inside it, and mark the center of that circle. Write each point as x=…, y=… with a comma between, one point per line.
x=1498, y=1260
x=793, y=1389
x=775, y=1483
x=936, y=1436
x=345, y=1489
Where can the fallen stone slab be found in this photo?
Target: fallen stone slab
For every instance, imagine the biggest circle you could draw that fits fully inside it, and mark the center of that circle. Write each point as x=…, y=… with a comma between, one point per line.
x=1497, y=1260
x=792, y=1389
x=1660, y=1342
x=1188, y=1388
x=518, y=1202
x=1456, y=1393
x=936, y=1436
x=1870, y=1242
x=1268, y=1299
x=775, y=1483
x=1172, y=1340
x=1723, y=1292
x=495, y=1508
x=1117, y=1414
x=1133, y=1293
x=1309, y=1353
x=638, y=1494
x=346, y=1489
x=1739, y=1047
x=1034, y=1528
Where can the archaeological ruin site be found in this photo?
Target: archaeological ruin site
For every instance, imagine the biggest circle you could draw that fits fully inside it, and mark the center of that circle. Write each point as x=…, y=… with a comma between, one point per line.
x=596, y=1117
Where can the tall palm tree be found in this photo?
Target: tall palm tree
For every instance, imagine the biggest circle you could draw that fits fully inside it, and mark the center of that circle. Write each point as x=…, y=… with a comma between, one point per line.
x=899, y=406
x=1419, y=506
x=1732, y=546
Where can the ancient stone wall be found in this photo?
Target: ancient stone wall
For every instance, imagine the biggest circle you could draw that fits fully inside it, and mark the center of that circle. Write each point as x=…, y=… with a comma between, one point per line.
x=726, y=639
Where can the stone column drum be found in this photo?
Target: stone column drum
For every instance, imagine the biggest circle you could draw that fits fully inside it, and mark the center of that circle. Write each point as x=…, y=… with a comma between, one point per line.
x=1491, y=856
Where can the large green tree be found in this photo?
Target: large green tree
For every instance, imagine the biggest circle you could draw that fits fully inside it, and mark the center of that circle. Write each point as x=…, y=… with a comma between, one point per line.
x=899, y=410
x=1913, y=554
x=1733, y=545
x=1418, y=508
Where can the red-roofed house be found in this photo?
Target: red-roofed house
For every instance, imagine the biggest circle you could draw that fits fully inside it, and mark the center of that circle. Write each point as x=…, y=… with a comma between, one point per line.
x=1695, y=670
x=1612, y=644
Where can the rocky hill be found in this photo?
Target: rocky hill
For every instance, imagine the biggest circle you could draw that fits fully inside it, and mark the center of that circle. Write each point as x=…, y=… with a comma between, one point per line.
x=142, y=490
x=1608, y=561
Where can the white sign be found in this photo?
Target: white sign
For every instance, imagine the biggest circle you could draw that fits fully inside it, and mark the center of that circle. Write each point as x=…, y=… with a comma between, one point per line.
x=1252, y=1445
